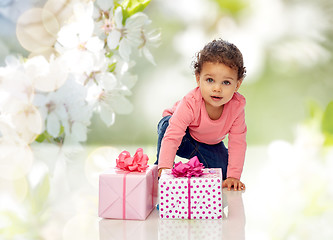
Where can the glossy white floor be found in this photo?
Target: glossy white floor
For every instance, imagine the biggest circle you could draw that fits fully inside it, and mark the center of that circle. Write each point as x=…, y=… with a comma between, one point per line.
x=288, y=195
x=284, y=199
x=231, y=227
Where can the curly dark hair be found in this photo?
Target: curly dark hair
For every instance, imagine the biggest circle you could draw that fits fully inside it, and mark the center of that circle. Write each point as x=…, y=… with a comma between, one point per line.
x=221, y=51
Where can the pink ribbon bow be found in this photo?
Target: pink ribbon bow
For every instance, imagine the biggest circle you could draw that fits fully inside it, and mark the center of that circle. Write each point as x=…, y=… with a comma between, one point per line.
x=192, y=168
x=136, y=163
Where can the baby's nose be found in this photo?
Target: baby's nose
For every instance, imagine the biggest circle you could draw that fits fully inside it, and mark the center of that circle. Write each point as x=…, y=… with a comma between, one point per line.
x=217, y=88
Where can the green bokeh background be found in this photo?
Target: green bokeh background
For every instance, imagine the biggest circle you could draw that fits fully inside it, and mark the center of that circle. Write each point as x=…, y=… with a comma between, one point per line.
x=278, y=99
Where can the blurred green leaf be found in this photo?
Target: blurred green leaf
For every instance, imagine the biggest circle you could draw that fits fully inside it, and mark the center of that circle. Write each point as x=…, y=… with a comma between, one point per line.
x=42, y=137
x=112, y=67
x=109, y=54
x=232, y=6
x=315, y=110
x=327, y=124
x=131, y=7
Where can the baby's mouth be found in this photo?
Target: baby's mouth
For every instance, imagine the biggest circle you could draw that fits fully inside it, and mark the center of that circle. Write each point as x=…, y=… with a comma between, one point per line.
x=216, y=98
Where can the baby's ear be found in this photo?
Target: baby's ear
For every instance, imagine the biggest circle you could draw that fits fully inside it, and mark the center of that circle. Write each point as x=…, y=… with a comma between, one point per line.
x=239, y=83
x=197, y=77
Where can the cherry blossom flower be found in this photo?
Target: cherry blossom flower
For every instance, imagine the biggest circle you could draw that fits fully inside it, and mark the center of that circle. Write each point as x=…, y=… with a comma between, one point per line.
x=103, y=18
x=76, y=42
x=132, y=34
x=14, y=81
x=64, y=109
x=46, y=75
x=90, y=58
x=151, y=39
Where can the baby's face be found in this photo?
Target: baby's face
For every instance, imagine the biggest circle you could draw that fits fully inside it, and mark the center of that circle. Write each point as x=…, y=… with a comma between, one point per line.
x=217, y=83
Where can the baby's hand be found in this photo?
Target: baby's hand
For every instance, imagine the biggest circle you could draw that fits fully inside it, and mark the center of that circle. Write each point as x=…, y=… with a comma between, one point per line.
x=237, y=184
x=160, y=171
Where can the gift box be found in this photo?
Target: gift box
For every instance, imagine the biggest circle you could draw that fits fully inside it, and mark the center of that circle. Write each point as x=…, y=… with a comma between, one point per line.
x=127, y=195
x=190, y=229
x=191, y=197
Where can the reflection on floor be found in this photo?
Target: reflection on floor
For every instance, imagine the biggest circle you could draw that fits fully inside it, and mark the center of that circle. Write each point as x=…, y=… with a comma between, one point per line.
x=232, y=226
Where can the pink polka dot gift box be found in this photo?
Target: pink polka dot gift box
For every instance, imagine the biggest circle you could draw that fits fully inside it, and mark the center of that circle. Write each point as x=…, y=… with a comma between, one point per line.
x=191, y=197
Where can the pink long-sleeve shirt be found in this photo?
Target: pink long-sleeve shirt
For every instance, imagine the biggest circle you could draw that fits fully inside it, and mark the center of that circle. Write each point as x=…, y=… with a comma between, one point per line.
x=191, y=112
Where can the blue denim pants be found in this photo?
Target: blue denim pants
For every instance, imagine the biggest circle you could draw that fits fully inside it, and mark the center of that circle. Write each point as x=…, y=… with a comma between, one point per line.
x=212, y=156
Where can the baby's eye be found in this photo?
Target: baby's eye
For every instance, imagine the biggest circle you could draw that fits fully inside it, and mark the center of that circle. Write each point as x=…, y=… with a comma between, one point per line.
x=226, y=82
x=210, y=80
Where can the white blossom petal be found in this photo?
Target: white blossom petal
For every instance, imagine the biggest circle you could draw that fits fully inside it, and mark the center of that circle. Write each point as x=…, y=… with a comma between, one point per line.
x=32, y=119
x=108, y=80
x=94, y=44
x=93, y=93
x=154, y=37
x=79, y=62
x=125, y=49
x=66, y=126
x=25, y=119
x=66, y=38
x=53, y=76
x=83, y=11
x=118, y=17
x=85, y=30
x=148, y=55
x=136, y=21
x=113, y=39
x=53, y=125
x=36, y=66
x=40, y=100
x=61, y=111
x=107, y=115
x=16, y=82
x=134, y=38
x=105, y=4
x=57, y=76
x=129, y=80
